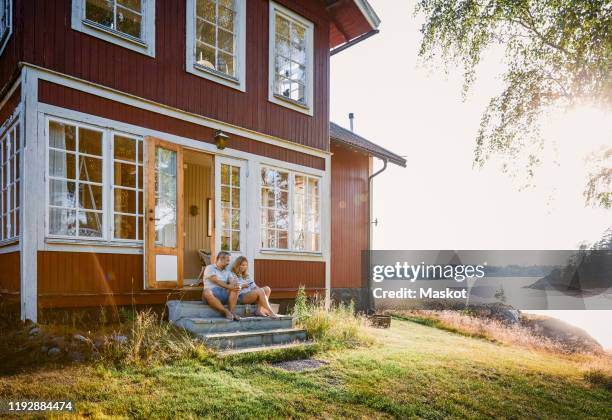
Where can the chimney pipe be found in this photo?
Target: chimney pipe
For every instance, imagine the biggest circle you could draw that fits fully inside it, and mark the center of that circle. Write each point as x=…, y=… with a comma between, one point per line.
x=351, y=118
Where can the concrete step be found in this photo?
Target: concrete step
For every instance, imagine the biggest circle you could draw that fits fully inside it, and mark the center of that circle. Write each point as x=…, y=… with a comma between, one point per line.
x=238, y=340
x=178, y=309
x=218, y=325
x=273, y=347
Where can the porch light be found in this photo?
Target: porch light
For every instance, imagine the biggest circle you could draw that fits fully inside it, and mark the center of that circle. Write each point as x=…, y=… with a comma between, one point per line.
x=221, y=139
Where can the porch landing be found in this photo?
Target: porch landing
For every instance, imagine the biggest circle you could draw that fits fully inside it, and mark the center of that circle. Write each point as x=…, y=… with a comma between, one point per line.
x=251, y=333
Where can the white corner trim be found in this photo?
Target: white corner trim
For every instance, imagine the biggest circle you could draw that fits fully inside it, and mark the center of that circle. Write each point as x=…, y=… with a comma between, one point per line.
x=190, y=47
x=368, y=12
x=5, y=39
x=308, y=108
x=145, y=46
x=142, y=103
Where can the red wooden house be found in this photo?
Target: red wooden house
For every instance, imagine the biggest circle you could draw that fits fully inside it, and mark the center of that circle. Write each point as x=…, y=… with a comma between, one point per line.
x=134, y=133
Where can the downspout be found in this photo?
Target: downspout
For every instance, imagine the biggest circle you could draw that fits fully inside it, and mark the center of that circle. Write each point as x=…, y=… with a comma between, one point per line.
x=368, y=301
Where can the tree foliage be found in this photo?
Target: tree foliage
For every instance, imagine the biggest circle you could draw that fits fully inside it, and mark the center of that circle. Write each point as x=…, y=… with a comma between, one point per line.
x=558, y=54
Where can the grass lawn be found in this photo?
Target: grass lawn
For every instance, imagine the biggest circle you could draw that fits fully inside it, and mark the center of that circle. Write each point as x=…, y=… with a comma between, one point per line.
x=414, y=371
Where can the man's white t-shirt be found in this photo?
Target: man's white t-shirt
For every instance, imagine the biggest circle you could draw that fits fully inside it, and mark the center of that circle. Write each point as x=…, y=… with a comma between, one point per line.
x=212, y=270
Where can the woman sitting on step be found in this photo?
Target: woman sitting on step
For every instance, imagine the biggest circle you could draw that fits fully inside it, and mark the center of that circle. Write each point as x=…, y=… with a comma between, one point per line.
x=250, y=293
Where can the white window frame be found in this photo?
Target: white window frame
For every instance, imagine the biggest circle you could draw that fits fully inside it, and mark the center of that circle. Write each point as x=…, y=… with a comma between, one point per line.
x=238, y=82
x=4, y=38
x=308, y=107
x=108, y=209
x=140, y=168
x=9, y=206
x=290, y=208
x=144, y=45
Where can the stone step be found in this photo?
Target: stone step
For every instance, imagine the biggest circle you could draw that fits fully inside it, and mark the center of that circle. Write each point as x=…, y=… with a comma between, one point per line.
x=273, y=347
x=238, y=340
x=178, y=309
x=218, y=325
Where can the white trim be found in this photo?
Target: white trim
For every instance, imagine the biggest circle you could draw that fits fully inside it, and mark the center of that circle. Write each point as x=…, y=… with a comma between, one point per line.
x=135, y=101
x=308, y=107
x=239, y=82
x=5, y=39
x=144, y=45
x=368, y=12
x=32, y=173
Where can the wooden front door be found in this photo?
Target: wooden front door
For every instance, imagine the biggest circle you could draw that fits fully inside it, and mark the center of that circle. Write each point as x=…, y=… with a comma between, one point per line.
x=164, y=192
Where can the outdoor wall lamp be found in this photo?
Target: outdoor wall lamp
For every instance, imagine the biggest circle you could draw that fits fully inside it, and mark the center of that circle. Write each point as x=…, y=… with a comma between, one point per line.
x=221, y=139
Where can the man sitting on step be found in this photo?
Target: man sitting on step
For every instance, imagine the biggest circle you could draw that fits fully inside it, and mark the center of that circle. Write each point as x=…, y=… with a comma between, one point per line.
x=220, y=287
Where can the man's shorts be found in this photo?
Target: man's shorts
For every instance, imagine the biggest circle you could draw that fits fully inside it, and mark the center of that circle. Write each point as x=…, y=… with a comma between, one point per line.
x=221, y=293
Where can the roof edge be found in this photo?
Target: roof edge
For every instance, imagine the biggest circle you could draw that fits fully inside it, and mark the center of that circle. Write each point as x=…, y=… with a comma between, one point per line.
x=368, y=12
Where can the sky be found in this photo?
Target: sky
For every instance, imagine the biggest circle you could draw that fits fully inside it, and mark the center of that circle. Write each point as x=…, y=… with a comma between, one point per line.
x=440, y=201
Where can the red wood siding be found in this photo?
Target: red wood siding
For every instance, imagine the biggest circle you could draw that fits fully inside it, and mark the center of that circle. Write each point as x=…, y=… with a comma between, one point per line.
x=282, y=275
x=68, y=279
x=13, y=101
x=50, y=42
x=65, y=97
x=10, y=278
x=349, y=195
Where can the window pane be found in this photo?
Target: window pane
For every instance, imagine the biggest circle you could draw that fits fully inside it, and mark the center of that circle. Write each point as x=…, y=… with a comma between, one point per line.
x=62, y=136
x=225, y=219
x=165, y=197
x=90, y=224
x=125, y=149
x=235, y=176
x=226, y=18
x=90, y=142
x=90, y=169
x=282, y=26
x=62, y=164
x=140, y=228
x=125, y=227
x=128, y=22
x=226, y=63
x=235, y=241
x=298, y=35
x=267, y=239
x=282, y=47
x=235, y=219
x=125, y=201
x=283, y=240
x=226, y=41
x=205, y=56
x=132, y=4
x=299, y=241
x=62, y=193
x=225, y=174
x=205, y=32
x=236, y=198
x=225, y=240
x=90, y=197
x=282, y=219
x=62, y=222
x=225, y=196
x=125, y=174
x=99, y=11
x=206, y=9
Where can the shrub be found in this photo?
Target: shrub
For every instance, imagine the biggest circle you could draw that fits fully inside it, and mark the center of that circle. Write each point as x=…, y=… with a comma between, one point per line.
x=151, y=341
x=336, y=327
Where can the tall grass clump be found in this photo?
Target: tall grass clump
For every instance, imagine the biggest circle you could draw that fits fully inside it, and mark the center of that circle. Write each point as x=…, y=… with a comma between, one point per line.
x=150, y=340
x=333, y=328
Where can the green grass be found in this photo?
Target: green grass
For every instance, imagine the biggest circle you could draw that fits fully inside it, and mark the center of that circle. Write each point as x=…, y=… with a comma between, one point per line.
x=413, y=371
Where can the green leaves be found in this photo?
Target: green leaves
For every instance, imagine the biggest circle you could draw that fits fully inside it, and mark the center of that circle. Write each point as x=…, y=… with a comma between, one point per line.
x=558, y=54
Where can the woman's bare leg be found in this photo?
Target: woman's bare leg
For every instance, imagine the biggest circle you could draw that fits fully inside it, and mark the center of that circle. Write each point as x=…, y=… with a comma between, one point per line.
x=259, y=297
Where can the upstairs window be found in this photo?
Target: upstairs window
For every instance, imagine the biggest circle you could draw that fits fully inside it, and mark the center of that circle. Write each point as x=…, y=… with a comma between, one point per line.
x=124, y=16
x=128, y=23
x=10, y=157
x=291, y=56
x=6, y=22
x=216, y=40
